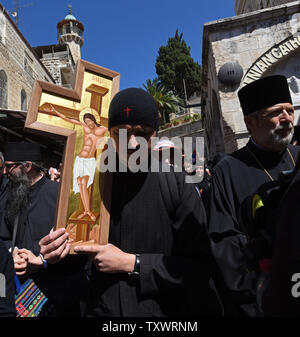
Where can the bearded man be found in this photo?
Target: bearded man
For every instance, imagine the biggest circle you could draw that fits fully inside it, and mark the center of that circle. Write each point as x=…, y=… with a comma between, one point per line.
x=30, y=210
x=269, y=117
x=30, y=206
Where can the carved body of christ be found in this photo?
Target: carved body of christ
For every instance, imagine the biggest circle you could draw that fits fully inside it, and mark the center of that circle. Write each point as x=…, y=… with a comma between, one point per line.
x=80, y=115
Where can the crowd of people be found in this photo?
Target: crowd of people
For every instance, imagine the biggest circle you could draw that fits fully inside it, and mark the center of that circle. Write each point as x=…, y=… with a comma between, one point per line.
x=222, y=247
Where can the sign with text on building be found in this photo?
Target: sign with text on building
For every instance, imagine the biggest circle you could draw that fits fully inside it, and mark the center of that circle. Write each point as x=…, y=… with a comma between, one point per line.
x=272, y=56
x=79, y=116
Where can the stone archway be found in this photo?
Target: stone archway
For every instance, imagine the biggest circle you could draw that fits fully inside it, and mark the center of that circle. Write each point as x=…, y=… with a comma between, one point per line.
x=273, y=56
x=282, y=59
x=290, y=68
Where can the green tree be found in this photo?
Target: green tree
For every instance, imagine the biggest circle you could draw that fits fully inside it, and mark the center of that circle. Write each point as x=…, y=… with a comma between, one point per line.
x=174, y=66
x=166, y=101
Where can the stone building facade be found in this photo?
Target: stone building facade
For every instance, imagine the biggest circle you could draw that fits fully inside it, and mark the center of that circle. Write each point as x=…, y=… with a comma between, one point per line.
x=19, y=66
x=59, y=62
x=60, y=59
x=246, y=6
x=237, y=51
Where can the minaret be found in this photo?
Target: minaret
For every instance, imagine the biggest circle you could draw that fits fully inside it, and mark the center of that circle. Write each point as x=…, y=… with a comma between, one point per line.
x=70, y=32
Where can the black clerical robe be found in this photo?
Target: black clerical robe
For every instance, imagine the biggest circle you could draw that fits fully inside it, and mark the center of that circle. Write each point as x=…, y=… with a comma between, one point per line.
x=235, y=178
x=174, y=248
x=282, y=298
x=36, y=220
x=3, y=197
x=7, y=283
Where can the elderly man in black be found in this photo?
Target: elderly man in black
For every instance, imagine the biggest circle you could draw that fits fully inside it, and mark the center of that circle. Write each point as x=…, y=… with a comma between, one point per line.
x=29, y=216
x=30, y=206
x=158, y=260
x=269, y=117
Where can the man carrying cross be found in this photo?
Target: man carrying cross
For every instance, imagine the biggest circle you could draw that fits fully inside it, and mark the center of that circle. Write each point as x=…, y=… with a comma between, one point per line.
x=158, y=259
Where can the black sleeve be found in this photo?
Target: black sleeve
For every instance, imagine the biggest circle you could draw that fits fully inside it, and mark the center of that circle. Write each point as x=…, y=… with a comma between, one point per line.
x=5, y=233
x=234, y=280
x=7, y=283
x=189, y=266
x=65, y=280
x=283, y=296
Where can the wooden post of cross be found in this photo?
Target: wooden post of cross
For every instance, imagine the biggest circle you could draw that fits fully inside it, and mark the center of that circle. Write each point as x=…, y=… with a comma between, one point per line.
x=79, y=115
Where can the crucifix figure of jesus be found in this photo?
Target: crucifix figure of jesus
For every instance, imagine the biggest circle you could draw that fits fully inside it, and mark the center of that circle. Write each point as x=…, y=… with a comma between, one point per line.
x=85, y=162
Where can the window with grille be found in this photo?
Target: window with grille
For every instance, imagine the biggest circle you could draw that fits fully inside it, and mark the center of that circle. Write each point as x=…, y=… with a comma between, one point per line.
x=23, y=100
x=3, y=89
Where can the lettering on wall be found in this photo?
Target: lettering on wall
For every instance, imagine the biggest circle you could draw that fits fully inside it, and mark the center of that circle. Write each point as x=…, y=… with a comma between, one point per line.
x=272, y=56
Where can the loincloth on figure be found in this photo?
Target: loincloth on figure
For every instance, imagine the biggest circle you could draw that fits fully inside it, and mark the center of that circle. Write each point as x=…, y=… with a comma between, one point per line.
x=83, y=167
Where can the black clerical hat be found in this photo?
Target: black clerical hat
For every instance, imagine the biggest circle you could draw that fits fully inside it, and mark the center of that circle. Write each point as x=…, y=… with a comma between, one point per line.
x=22, y=151
x=133, y=106
x=264, y=93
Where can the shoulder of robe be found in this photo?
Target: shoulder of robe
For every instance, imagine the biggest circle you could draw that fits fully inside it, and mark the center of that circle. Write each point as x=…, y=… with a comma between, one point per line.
x=50, y=187
x=3, y=251
x=295, y=150
x=232, y=161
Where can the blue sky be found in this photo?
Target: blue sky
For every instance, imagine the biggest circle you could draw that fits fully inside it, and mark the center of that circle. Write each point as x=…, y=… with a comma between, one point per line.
x=123, y=35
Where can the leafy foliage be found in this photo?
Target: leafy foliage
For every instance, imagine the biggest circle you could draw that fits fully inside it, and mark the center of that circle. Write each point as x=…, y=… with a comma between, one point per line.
x=174, y=63
x=166, y=101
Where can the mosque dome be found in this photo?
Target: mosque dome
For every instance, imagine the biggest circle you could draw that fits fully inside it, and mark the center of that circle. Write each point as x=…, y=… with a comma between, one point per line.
x=70, y=17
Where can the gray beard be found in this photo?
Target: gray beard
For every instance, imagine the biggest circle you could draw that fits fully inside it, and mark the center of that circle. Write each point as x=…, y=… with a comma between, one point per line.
x=279, y=141
x=18, y=196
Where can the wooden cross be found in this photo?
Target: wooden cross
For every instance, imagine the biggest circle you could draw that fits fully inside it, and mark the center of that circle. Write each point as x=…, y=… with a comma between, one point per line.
x=79, y=116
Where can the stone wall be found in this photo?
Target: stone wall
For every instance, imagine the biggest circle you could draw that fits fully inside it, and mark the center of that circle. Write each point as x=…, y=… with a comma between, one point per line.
x=53, y=65
x=192, y=129
x=182, y=130
x=242, y=39
x=20, y=63
x=246, y=6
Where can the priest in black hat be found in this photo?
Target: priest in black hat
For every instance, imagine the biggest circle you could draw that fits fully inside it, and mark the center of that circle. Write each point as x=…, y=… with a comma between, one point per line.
x=30, y=213
x=30, y=206
x=269, y=118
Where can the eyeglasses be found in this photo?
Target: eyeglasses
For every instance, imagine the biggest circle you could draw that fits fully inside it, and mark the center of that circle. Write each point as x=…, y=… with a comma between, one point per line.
x=13, y=165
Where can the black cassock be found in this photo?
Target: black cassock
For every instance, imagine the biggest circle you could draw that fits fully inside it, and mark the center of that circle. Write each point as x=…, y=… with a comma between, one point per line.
x=283, y=296
x=7, y=283
x=174, y=250
x=3, y=197
x=36, y=220
x=236, y=177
